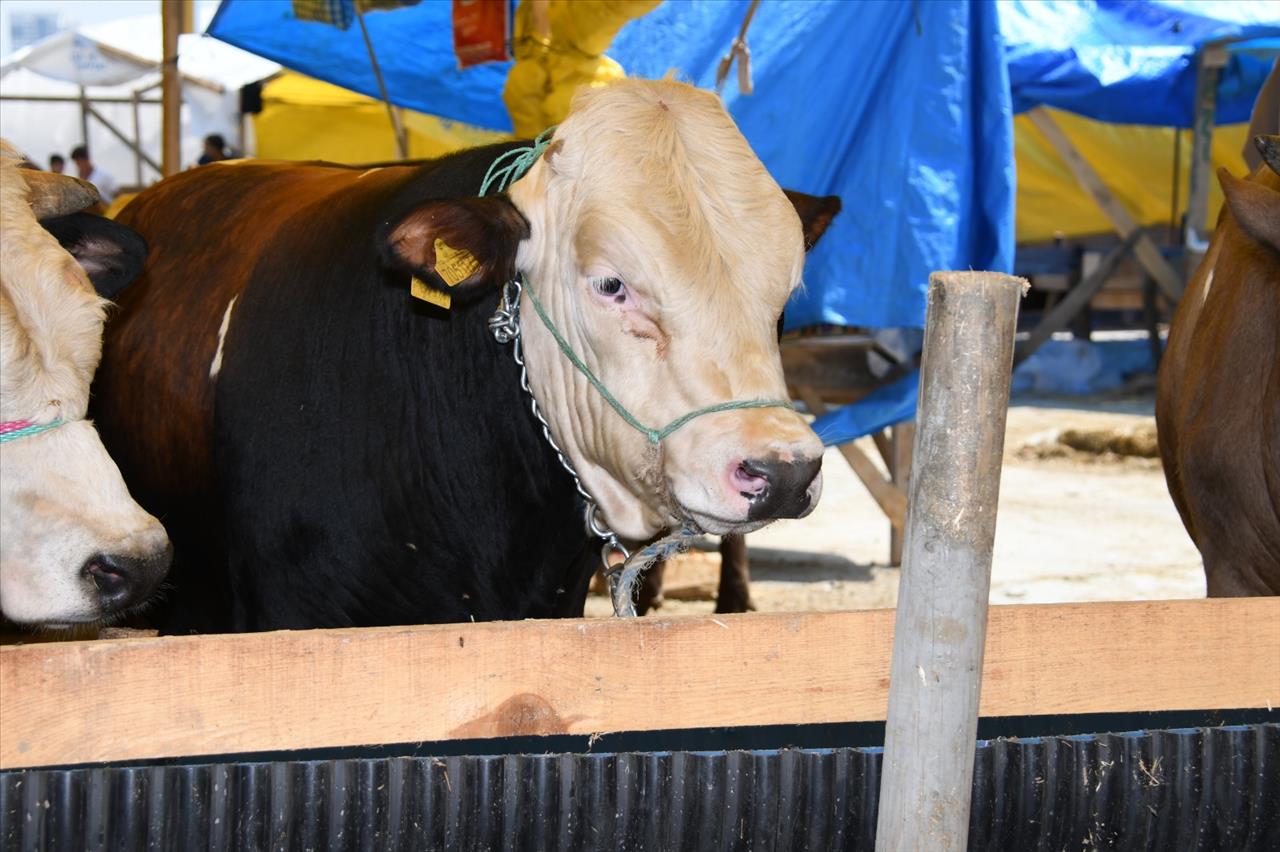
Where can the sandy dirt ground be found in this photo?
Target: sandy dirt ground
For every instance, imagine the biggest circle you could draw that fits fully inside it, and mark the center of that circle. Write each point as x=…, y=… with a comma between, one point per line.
x=1073, y=526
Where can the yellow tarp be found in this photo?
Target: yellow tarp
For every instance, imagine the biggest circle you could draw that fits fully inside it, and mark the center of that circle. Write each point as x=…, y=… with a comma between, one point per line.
x=1135, y=162
x=306, y=119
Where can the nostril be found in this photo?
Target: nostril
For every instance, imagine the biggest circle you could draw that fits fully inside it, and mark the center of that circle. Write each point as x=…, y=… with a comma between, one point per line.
x=783, y=490
x=750, y=479
x=108, y=576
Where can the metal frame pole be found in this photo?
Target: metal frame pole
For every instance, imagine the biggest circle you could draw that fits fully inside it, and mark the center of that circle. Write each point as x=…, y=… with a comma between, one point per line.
x=1209, y=65
x=941, y=623
x=402, y=143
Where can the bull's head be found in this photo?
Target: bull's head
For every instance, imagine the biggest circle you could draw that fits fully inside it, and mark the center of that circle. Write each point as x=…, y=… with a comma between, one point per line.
x=664, y=252
x=74, y=547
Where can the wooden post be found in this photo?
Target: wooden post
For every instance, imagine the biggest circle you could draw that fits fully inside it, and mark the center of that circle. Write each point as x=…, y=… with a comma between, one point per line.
x=941, y=624
x=171, y=17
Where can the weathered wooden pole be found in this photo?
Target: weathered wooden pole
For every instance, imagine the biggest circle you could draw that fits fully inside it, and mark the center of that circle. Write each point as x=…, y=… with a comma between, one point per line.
x=941, y=624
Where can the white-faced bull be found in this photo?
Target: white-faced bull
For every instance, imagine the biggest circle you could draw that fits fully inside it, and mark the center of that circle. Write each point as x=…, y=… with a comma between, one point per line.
x=74, y=546
x=329, y=450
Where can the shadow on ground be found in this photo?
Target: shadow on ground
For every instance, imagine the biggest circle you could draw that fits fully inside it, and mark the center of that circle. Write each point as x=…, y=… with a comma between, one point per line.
x=803, y=566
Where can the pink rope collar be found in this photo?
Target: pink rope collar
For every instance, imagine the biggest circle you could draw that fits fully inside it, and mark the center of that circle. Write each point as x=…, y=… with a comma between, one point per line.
x=12, y=430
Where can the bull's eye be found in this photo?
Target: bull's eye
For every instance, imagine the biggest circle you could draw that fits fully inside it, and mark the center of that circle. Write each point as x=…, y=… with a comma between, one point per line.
x=610, y=288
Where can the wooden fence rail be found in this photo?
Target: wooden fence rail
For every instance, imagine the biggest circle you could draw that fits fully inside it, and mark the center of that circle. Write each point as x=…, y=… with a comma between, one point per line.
x=131, y=699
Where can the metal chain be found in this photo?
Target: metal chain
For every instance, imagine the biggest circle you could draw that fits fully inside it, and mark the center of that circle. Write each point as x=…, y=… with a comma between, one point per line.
x=505, y=327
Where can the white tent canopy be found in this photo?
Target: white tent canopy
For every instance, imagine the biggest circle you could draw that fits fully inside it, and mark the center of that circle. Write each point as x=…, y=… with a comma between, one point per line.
x=75, y=58
x=116, y=66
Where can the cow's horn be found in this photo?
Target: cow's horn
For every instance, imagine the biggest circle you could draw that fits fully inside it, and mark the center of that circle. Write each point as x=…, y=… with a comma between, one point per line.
x=54, y=194
x=1269, y=146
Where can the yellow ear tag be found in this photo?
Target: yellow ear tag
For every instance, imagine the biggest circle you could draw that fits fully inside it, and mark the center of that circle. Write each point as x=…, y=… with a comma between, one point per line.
x=419, y=290
x=454, y=265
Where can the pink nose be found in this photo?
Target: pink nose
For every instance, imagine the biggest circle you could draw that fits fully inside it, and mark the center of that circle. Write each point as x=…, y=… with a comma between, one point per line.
x=775, y=488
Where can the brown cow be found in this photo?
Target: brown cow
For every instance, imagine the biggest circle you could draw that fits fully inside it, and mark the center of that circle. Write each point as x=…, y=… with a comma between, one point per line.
x=1218, y=401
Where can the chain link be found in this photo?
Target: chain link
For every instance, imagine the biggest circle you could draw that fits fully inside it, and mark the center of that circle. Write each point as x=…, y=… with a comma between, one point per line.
x=505, y=327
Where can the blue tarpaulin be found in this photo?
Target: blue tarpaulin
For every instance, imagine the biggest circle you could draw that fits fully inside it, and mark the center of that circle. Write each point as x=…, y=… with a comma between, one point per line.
x=902, y=109
x=1133, y=62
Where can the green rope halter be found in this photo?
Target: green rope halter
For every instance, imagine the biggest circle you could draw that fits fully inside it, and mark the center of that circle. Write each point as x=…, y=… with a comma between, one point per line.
x=504, y=171
x=654, y=435
x=508, y=167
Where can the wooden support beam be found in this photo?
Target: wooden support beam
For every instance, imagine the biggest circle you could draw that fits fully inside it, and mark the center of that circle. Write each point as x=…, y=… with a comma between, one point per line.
x=884, y=446
x=136, y=699
x=75, y=99
x=1145, y=249
x=891, y=500
x=129, y=143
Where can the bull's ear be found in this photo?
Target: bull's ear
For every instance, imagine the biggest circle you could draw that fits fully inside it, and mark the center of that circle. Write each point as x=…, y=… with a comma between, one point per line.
x=110, y=254
x=816, y=213
x=460, y=247
x=1255, y=207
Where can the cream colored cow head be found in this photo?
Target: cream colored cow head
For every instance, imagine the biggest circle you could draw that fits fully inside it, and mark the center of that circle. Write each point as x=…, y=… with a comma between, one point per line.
x=664, y=252
x=74, y=546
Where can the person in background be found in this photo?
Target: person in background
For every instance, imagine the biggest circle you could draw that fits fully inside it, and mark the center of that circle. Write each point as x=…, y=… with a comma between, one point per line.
x=105, y=183
x=57, y=164
x=215, y=149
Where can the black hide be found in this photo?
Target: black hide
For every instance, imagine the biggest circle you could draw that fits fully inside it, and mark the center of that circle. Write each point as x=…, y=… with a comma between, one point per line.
x=376, y=459
x=110, y=254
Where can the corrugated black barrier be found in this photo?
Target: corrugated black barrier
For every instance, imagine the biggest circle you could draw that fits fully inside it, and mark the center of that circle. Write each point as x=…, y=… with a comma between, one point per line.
x=1183, y=789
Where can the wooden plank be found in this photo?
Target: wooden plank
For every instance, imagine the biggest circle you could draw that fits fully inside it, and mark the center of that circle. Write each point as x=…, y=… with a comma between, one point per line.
x=1145, y=249
x=891, y=500
x=84, y=702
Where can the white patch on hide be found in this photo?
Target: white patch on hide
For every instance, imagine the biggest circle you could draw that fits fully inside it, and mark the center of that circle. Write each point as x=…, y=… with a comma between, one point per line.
x=216, y=366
